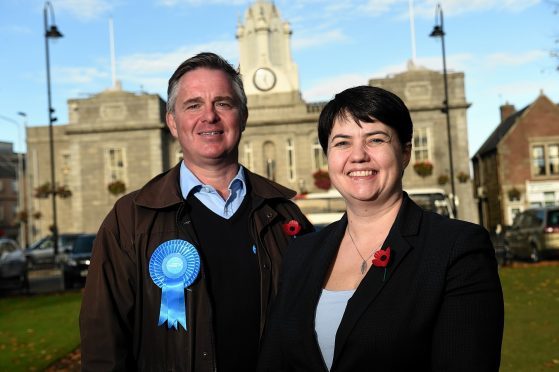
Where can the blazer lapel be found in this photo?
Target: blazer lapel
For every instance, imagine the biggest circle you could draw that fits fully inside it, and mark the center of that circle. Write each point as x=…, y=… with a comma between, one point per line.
x=407, y=223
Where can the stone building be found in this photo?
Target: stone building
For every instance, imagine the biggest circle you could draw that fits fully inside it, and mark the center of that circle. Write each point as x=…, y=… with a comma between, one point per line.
x=121, y=136
x=9, y=204
x=518, y=165
x=423, y=92
x=114, y=138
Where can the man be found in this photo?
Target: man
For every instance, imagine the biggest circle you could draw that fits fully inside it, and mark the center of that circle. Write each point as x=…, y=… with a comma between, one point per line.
x=184, y=269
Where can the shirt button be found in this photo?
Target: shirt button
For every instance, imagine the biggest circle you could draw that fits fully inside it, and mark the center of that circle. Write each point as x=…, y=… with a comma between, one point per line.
x=265, y=266
x=205, y=355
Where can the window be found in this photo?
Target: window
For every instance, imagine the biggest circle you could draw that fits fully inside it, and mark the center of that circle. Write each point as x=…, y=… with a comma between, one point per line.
x=15, y=185
x=549, y=198
x=115, y=164
x=421, y=144
x=269, y=150
x=290, y=150
x=545, y=160
x=319, y=160
x=66, y=158
x=247, y=154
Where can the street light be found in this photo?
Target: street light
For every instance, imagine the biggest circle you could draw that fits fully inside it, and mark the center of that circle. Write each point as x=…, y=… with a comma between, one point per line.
x=438, y=31
x=51, y=33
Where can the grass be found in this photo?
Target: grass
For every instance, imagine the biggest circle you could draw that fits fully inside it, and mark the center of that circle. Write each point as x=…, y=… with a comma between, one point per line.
x=531, y=339
x=35, y=331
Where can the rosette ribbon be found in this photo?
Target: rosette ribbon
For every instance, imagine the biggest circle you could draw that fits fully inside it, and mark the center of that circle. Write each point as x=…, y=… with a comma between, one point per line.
x=173, y=266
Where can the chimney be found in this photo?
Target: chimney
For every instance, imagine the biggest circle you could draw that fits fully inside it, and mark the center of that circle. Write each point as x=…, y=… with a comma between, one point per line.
x=507, y=110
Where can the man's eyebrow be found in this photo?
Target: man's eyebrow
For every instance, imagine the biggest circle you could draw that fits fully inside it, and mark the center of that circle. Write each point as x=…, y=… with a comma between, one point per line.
x=191, y=100
x=224, y=98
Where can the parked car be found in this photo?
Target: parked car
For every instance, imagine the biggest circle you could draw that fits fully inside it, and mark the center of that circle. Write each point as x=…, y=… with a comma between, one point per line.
x=534, y=234
x=41, y=253
x=75, y=260
x=13, y=265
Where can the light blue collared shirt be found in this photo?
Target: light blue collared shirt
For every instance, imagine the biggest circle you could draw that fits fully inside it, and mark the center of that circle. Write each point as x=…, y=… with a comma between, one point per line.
x=210, y=197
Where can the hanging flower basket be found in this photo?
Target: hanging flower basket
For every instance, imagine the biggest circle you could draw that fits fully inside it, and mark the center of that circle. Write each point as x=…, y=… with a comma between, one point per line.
x=442, y=180
x=43, y=191
x=463, y=177
x=514, y=194
x=322, y=179
x=37, y=215
x=63, y=191
x=116, y=187
x=22, y=217
x=423, y=168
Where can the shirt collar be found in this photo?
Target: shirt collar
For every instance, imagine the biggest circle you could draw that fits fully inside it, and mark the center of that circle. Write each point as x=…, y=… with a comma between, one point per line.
x=189, y=181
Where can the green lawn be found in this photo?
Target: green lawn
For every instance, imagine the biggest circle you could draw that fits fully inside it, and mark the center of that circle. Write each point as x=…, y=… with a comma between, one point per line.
x=37, y=330
x=531, y=340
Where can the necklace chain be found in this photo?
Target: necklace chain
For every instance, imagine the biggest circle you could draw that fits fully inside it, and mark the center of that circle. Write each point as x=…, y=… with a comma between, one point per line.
x=364, y=261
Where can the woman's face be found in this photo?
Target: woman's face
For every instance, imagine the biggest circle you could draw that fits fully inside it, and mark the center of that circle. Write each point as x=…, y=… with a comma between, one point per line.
x=366, y=162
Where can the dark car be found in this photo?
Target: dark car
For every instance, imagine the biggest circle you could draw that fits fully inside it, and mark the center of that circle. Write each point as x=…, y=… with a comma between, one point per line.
x=534, y=234
x=75, y=260
x=41, y=253
x=13, y=265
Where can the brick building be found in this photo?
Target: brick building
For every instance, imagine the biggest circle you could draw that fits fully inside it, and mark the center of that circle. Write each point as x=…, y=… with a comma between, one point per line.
x=518, y=165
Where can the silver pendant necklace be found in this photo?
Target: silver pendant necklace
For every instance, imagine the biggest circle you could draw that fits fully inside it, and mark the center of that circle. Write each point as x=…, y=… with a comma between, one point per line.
x=363, y=260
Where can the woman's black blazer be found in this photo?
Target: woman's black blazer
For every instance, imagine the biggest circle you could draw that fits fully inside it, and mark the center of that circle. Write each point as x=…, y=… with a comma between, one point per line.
x=438, y=307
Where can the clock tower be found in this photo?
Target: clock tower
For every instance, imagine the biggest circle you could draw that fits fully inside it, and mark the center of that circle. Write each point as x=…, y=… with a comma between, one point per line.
x=270, y=76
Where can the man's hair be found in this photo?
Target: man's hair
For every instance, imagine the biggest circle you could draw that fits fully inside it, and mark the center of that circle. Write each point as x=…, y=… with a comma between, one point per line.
x=365, y=103
x=213, y=62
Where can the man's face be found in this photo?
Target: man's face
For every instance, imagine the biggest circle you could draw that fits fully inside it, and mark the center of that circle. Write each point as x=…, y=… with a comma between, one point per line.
x=207, y=120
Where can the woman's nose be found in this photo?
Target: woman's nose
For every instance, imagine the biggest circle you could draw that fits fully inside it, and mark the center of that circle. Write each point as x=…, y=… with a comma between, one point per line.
x=359, y=152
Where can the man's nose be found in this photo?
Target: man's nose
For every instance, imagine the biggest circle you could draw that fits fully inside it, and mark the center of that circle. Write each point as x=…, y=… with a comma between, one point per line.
x=210, y=114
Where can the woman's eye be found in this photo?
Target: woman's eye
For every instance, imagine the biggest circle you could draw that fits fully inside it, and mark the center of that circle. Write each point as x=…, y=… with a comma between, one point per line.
x=341, y=144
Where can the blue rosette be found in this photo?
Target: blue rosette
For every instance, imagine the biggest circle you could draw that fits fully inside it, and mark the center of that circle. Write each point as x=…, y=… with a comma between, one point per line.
x=173, y=266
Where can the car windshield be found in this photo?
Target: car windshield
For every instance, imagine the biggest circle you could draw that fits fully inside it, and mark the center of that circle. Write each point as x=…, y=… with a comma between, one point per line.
x=553, y=218
x=6, y=247
x=67, y=240
x=84, y=244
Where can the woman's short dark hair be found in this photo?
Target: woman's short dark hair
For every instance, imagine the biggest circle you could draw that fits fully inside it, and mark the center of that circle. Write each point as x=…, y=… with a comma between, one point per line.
x=364, y=103
x=210, y=61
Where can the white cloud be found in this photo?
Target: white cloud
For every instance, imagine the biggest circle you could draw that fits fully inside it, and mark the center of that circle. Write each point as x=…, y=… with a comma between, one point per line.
x=325, y=89
x=171, y=3
x=78, y=75
x=85, y=10
x=456, y=7
x=142, y=64
x=515, y=59
x=318, y=38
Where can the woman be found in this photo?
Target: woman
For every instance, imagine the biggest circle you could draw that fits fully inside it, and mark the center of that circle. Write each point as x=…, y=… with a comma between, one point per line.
x=389, y=287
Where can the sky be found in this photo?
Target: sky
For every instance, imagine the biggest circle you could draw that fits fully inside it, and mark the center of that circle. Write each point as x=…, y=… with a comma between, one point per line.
x=502, y=46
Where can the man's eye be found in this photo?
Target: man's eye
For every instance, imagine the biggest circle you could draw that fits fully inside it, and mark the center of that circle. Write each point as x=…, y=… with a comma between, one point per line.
x=192, y=106
x=224, y=105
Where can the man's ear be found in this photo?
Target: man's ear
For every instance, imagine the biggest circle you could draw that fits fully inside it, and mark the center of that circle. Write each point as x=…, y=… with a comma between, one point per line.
x=244, y=119
x=172, y=124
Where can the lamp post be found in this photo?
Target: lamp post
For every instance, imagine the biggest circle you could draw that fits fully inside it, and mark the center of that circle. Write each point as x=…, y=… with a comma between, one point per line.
x=438, y=31
x=51, y=32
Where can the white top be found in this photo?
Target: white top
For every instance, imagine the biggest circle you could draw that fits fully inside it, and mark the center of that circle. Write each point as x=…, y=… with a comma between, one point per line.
x=329, y=312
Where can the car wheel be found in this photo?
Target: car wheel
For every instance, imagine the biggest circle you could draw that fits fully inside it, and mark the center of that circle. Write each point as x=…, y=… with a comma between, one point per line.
x=534, y=253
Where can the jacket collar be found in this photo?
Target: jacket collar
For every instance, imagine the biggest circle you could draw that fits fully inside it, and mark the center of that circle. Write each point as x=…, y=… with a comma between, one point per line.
x=399, y=239
x=163, y=191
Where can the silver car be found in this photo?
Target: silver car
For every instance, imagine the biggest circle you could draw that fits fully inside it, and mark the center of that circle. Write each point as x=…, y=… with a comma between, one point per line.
x=41, y=253
x=534, y=234
x=13, y=265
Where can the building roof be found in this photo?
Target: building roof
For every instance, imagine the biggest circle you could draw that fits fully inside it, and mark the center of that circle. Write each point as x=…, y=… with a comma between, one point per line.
x=494, y=138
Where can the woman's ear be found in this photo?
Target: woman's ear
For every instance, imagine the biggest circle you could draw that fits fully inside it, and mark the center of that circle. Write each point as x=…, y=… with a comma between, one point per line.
x=406, y=152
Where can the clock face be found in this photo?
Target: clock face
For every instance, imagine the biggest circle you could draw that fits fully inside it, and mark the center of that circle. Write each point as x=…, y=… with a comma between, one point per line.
x=264, y=79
